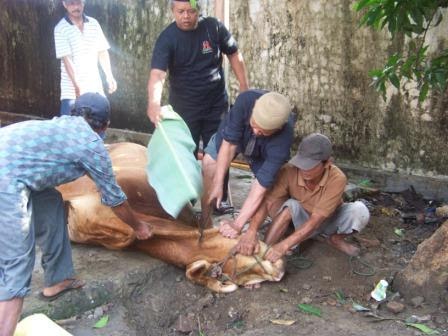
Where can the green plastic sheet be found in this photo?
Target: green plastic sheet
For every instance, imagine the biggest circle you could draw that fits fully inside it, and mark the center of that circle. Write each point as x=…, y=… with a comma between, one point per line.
x=172, y=169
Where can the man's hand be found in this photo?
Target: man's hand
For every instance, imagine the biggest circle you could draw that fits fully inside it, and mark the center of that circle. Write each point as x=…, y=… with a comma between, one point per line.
x=276, y=252
x=248, y=244
x=154, y=113
x=215, y=195
x=77, y=90
x=144, y=231
x=227, y=229
x=111, y=85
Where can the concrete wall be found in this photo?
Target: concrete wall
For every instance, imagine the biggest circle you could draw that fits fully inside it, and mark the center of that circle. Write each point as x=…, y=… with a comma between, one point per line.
x=313, y=51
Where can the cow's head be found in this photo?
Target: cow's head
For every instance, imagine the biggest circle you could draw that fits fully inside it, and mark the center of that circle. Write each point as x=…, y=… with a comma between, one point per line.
x=236, y=270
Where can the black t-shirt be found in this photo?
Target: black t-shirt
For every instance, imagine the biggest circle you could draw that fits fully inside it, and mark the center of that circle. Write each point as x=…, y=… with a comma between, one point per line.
x=193, y=60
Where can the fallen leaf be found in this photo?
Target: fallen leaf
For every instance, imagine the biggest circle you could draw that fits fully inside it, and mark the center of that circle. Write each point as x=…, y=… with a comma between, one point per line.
x=423, y=328
x=283, y=290
x=283, y=322
x=340, y=296
x=365, y=183
x=310, y=309
x=399, y=232
x=359, y=308
x=102, y=322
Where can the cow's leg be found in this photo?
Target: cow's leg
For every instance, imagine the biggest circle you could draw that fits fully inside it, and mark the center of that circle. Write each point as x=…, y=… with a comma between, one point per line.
x=197, y=272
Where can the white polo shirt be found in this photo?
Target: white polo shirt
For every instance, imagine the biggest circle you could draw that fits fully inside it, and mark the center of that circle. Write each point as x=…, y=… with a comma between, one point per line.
x=82, y=48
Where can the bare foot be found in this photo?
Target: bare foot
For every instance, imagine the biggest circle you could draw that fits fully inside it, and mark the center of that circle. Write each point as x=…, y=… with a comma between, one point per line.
x=338, y=242
x=62, y=286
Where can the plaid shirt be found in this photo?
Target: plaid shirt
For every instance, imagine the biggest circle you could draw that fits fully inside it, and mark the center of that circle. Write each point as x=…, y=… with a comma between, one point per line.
x=40, y=154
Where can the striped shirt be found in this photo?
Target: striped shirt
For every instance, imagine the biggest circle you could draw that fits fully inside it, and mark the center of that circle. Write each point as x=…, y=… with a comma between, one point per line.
x=82, y=48
x=40, y=154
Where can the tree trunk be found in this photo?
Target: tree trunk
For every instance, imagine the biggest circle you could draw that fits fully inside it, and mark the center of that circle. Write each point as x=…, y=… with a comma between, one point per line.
x=427, y=273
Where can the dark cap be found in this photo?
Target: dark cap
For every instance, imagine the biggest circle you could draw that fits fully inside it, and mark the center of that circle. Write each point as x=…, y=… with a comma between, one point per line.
x=313, y=149
x=93, y=106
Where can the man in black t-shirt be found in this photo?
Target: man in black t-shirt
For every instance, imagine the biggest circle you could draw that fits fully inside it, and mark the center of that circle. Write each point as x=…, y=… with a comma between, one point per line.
x=190, y=50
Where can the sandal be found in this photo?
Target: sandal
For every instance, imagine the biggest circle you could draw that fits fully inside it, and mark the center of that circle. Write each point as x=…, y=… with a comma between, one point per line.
x=74, y=284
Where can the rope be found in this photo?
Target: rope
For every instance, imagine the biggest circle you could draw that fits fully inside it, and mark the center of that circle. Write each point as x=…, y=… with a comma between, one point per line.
x=370, y=269
x=299, y=262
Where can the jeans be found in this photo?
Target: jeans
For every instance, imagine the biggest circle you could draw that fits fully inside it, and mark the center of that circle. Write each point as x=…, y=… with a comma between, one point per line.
x=26, y=219
x=66, y=106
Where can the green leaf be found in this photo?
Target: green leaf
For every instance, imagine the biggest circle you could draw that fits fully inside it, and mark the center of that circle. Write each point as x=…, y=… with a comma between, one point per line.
x=309, y=309
x=399, y=232
x=361, y=4
x=375, y=73
x=365, y=183
x=423, y=92
x=340, y=296
x=423, y=328
x=394, y=80
x=102, y=322
x=412, y=20
x=172, y=169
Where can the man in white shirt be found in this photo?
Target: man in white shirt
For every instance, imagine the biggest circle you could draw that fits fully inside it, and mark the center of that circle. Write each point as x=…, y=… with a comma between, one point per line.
x=80, y=44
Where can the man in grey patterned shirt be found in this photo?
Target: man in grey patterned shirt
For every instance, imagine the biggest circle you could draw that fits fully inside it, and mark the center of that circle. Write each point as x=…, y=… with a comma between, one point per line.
x=35, y=157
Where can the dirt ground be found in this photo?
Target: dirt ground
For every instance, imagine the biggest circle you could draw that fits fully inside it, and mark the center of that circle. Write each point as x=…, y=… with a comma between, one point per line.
x=316, y=276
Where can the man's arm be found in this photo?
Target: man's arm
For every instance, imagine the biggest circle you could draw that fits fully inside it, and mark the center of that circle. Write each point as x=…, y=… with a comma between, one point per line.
x=69, y=67
x=239, y=69
x=248, y=243
x=279, y=250
x=251, y=204
x=142, y=229
x=104, y=59
x=226, y=154
x=155, y=87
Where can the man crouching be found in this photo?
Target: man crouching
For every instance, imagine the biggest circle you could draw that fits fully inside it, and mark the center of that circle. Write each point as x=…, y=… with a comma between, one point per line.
x=308, y=191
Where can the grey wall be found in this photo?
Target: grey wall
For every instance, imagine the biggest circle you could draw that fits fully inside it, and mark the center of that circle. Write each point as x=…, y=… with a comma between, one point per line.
x=312, y=51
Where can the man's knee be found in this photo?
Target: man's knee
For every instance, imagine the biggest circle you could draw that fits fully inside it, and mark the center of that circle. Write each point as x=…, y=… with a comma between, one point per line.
x=354, y=217
x=361, y=215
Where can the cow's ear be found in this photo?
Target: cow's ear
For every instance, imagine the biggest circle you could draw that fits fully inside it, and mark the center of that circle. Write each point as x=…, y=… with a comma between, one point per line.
x=198, y=272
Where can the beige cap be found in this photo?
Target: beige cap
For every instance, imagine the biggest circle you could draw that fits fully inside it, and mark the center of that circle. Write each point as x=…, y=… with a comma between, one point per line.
x=271, y=111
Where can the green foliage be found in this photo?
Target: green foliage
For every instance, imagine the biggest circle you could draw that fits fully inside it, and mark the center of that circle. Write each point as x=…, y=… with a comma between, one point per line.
x=340, y=296
x=309, y=309
x=102, y=322
x=413, y=19
x=423, y=328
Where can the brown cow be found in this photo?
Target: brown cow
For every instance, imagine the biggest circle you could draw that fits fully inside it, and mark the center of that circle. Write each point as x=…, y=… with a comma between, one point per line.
x=209, y=262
